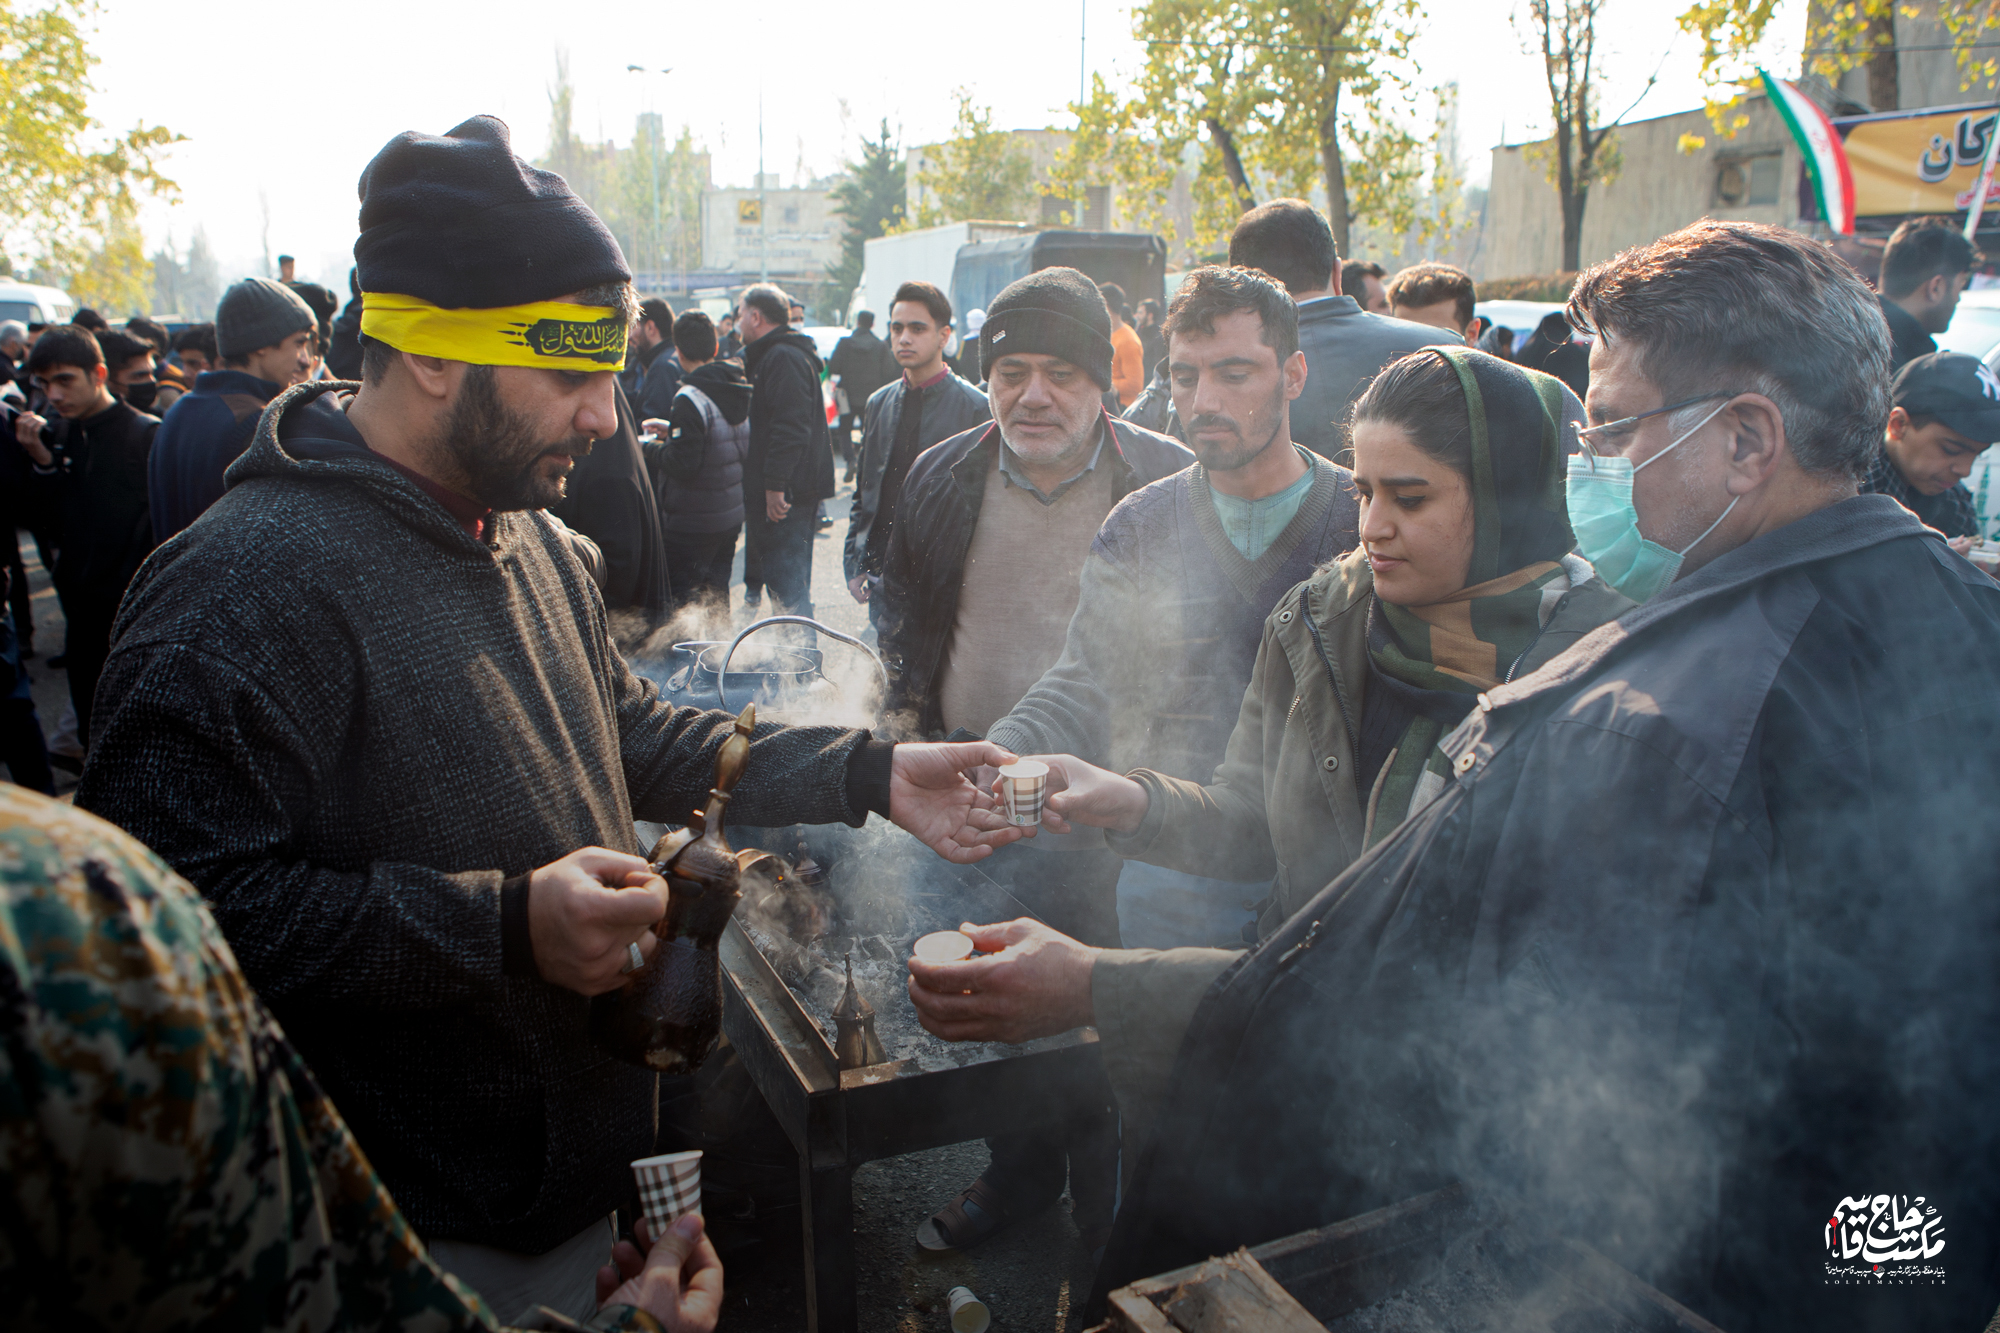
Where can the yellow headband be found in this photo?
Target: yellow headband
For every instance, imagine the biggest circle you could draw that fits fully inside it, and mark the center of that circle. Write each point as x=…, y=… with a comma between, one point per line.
x=549, y=335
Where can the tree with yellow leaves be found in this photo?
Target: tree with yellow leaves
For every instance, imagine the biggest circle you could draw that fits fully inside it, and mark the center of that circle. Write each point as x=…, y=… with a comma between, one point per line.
x=69, y=195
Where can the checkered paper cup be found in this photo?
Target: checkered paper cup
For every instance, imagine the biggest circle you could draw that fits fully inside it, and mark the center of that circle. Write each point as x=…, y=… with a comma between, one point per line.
x=669, y=1187
x=1023, y=784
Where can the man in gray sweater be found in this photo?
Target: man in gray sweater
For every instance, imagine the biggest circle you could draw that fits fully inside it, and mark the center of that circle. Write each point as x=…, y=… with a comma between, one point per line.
x=372, y=710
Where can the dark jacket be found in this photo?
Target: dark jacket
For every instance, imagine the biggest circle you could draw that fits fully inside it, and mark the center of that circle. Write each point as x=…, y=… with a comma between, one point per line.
x=1154, y=407
x=98, y=492
x=1700, y=937
x=343, y=355
x=632, y=379
x=662, y=381
x=357, y=729
x=1345, y=347
x=926, y=561
x=698, y=469
x=944, y=409
x=200, y=436
x=864, y=363
x=1908, y=339
x=789, y=447
x=610, y=501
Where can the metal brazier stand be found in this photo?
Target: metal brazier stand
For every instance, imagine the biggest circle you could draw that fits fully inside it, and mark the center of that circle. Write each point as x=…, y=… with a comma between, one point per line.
x=837, y=1119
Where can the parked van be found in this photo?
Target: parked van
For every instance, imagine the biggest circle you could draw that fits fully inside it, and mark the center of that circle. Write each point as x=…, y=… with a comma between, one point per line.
x=32, y=304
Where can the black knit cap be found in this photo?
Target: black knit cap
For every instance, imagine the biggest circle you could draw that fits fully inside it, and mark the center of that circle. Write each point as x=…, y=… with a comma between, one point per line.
x=1056, y=312
x=459, y=221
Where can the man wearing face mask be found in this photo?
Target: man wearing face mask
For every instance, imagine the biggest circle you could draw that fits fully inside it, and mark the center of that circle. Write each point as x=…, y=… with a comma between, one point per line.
x=1698, y=930
x=89, y=471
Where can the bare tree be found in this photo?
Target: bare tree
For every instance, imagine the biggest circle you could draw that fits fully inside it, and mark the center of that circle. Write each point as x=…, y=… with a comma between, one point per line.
x=1584, y=152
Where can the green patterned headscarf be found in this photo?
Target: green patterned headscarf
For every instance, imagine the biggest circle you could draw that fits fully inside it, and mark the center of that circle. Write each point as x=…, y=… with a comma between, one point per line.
x=1523, y=424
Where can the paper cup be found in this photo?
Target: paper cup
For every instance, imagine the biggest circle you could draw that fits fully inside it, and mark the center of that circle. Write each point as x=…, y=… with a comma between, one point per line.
x=968, y=1313
x=669, y=1188
x=943, y=946
x=1023, y=784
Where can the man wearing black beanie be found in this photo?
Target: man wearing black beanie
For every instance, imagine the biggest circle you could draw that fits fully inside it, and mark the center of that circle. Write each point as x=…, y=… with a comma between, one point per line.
x=978, y=587
x=374, y=712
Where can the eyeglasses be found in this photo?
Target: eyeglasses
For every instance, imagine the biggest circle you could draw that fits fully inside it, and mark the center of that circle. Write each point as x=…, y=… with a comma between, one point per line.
x=1585, y=435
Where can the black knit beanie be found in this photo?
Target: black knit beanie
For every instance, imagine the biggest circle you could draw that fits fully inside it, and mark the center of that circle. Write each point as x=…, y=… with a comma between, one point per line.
x=1056, y=312
x=459, y=221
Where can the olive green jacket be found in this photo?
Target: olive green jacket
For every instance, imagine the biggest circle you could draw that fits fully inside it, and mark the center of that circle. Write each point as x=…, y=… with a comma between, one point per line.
x=1283, y=803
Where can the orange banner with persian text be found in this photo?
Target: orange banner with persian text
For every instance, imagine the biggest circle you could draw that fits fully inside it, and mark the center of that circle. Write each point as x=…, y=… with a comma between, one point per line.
x=1927, y=162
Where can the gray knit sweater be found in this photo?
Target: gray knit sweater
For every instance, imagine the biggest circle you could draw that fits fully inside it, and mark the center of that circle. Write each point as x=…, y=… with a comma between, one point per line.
x=349, y=723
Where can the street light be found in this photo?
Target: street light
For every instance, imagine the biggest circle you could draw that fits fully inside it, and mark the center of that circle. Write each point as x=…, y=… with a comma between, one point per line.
x=659, y=129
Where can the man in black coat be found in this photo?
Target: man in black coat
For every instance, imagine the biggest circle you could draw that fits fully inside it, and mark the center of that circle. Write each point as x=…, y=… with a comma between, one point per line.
x=1345, y=344
x=1693, y=959
x=1925, y=268
x=790, y=467
x=861, y=363
x=371, y=708
x=981, y=579
x=91, y=471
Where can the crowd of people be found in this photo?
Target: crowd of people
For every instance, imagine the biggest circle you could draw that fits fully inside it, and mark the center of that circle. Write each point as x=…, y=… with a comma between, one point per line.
x=1558, y=769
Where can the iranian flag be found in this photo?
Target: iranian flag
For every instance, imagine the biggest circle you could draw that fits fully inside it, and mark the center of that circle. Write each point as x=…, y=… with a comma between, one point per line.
x=1826, y=156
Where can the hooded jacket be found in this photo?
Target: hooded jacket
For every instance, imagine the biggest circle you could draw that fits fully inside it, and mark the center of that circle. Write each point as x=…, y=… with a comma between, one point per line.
x=943, y=410
x=357, y=730
x=789, y=447
x=925, y=567
x=698, y=469
x=1698, y=939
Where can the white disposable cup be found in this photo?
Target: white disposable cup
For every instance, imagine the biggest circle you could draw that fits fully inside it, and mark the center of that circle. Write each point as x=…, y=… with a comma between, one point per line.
x=1023, y=784
x=943, y=946
x=968, y=1313
x=669, y=1188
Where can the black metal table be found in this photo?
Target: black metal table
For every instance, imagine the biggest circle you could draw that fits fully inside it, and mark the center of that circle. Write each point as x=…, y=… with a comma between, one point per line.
x=837, y=1119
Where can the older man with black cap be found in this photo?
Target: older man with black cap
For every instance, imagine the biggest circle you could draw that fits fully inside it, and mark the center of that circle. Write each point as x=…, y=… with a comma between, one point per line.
x=372, y=710
x=1947, y=413
x=979, y=584
x=263, y=333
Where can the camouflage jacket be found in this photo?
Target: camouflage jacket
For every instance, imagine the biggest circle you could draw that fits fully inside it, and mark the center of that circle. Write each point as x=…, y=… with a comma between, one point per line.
x=169, y=1161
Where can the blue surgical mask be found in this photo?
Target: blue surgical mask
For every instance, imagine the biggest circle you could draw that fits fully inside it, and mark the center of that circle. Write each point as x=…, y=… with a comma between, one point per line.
x=1599, y=495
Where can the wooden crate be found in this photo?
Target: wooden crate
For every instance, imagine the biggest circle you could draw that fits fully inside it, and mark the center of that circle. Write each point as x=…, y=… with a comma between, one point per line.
x=1305, y=1282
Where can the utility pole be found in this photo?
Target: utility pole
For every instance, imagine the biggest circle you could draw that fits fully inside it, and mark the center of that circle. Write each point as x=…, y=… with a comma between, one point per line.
x=1082, y=57
x=763, y=223
x=658, y=129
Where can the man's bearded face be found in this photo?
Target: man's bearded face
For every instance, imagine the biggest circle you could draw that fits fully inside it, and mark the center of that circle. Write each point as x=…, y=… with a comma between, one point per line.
x=507, y=462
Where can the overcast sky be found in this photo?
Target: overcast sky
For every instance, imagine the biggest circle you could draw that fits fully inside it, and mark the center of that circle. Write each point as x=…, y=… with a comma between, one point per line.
x=283, y=104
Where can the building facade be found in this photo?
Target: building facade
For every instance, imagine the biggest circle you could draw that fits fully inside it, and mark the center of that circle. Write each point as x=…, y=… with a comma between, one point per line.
x=1753, y=177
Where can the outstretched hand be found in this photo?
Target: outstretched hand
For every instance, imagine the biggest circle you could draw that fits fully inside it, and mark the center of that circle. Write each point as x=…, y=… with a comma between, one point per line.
x=1026, y=981
x=931, y=797
x=678, y=1280
x=1083, y=793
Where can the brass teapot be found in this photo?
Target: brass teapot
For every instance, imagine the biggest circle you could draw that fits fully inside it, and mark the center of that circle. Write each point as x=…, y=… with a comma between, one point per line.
x=667, y=1016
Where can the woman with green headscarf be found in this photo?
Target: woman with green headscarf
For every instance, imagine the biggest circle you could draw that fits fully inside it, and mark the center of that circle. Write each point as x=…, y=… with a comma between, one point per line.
x=1465, y=578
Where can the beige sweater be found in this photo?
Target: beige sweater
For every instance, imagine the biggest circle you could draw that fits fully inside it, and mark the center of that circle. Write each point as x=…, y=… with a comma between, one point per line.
x=1019, y=591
